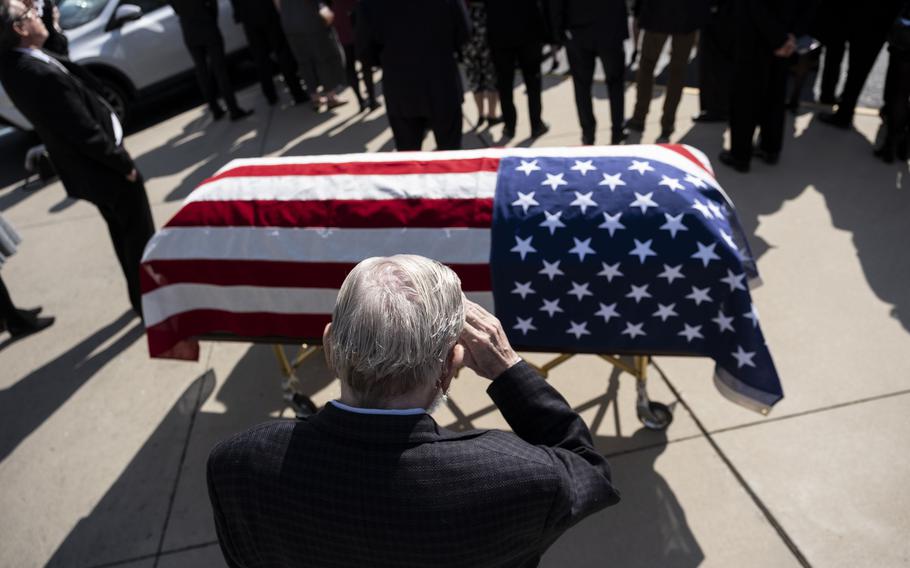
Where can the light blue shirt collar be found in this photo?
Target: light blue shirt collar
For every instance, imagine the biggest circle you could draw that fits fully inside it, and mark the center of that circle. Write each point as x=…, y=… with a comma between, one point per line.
x=379, y=411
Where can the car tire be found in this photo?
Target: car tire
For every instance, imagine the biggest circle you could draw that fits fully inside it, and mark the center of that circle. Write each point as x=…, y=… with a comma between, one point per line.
x=115, y=95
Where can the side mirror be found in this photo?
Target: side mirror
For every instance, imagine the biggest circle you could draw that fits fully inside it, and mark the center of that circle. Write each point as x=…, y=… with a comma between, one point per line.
x=124, y=13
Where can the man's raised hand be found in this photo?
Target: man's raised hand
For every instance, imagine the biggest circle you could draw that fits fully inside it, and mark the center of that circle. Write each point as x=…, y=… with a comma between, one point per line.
x=487, y=349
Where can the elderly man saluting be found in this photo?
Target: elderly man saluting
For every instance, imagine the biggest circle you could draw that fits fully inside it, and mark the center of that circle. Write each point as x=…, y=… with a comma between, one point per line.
x=372, y=480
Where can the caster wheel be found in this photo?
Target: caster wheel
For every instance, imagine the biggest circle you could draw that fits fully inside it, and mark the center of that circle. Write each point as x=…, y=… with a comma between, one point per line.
x=302, y=405
x=657, y=416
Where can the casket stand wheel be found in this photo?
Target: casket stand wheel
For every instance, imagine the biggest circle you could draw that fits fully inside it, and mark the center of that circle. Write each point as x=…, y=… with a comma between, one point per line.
x=301, y=404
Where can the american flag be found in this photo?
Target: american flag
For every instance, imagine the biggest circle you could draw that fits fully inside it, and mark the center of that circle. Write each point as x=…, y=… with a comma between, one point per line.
x=621, y=250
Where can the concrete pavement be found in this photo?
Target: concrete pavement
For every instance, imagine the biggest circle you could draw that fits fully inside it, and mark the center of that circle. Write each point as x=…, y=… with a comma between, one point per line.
x=102, y=449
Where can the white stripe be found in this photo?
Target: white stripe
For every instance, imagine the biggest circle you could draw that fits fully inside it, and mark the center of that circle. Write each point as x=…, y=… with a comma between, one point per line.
x=162, y=303
x=475, y=185
x=451, y=246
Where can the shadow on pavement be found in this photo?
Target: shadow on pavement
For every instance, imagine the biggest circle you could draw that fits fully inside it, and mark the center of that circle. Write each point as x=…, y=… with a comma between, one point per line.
x=28, y=403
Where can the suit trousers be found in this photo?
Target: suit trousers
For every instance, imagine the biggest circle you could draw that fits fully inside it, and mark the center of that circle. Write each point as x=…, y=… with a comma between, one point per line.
x=211, y=70
x=350, y=61
x=583, y=52
x=863, y=52
x=129, y=222
x=264, y=40
x=652, y=44
x=528, y=58
x=759, y=97
x=715, y=69
x=410, y=131
x=8, y=311
x=834, y=56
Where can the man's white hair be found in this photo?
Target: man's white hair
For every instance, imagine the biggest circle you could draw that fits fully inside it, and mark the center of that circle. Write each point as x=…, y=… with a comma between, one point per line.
x=395, y=321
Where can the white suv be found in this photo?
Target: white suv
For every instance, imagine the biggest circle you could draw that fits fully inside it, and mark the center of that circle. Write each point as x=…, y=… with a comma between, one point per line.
x=133, y=46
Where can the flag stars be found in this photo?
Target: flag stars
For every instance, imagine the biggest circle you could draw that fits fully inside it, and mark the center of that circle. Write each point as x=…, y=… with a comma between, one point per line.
x=578, y=329
x=583, y=201
x=716, y=210
x=612, y=181
x=523, y=289
x=610, y=271
x=695, y=181
x=611, y=223
x=523, y=246
x=699, y=295
x=554, y=181
x=706, y=253
x=525, y=201
x=691, y=332
x=724, y=322
x=671, y=183
x=551, y=269
x=582, y=248
x=672, y=273
x=579, y=290
x=634, y=329
x=728, y=239
x=641, y=167
x=642, y=250
x=552, y=221
x=643, y=201
x=663, y=312
x=551, y=307
x=673, y=224
x=525, y=325
x=743, y=357
x=583, y=167
x=527, y=167
x=638, y=293
x=734, y=281
x=752, y=314
x=607, y=312
x=703, y=209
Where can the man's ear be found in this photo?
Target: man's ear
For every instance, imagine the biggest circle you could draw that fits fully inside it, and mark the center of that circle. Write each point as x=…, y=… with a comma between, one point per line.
x=453, y=363
x=327, y=346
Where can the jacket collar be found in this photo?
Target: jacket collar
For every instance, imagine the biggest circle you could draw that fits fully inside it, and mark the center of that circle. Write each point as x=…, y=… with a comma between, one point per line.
x=381, y=429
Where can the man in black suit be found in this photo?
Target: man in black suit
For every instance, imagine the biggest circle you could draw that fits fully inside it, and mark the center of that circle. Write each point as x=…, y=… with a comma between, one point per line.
x=415, y=43
x=81, y=133
x=592, y=29
x=516, y=32
x=265, y=36
x=766, y=38
x=372, y=480
x=202, y=36
x=715, y=63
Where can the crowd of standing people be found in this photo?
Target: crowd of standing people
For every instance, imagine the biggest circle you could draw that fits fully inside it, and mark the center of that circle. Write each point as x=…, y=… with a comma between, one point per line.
x=426, y=48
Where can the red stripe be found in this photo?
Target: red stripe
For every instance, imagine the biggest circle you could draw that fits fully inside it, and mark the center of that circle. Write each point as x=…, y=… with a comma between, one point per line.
x=165, y=336
x=348, y=213
x=682, y=151
x=159, y=273
x=392, y=168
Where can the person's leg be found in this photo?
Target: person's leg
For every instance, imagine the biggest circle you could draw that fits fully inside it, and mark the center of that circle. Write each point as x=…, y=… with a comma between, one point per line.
x=863, y=53
x=350, y=65
x=447, y=129
x=8, y=311
x=581, y=64
x=408, y=132
x=681, y=49
x=747, y=92
x=286, y=61
x=652, y=43
x=205, y=79
x=366, y=71
x=478, y=102
x=19, y=322
x=218, y=60
x=299, y=47
x=530, y=61
x=834, y=56
x=773, y=107
x=492, y=102
x=258, y=40
x=504, y=62
x=612, y=57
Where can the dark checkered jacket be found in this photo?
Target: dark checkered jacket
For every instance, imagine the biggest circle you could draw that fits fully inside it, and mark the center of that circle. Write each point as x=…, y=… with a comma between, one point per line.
x=348, y=489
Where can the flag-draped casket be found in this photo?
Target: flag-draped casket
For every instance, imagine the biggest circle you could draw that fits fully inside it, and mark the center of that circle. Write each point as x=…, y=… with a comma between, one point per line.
x=620, y=250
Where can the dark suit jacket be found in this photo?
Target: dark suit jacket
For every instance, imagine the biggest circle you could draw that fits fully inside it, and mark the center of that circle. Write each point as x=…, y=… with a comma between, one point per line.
x=72, y=121
x=415, y=42
x=515, y=23
x=605, y=20
x=762, y=25
x=198, y=20
x=671, y=16
x=346, y=489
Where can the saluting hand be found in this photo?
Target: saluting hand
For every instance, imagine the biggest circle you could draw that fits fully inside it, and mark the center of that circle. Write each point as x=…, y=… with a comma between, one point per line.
x=487, y=349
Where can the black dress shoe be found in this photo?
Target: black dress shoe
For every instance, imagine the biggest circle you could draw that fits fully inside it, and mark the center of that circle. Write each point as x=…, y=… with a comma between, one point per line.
x=28, y=326
x=619, y=137
x=508, y=132
x=374, y=105
x=217, y=112
x=635, y=125
x=770, y=158
x=827, y=100
x=300, y=98
x=705, y=116
x=885, y=152
x=540, y=130
x=491, y=120
x=836, y=119
x=272, y=100
x=240, y=113
x=32, y=311
x=737, y=164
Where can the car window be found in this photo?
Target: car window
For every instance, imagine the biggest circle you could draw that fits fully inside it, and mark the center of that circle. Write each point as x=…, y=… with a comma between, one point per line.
x=74, y=13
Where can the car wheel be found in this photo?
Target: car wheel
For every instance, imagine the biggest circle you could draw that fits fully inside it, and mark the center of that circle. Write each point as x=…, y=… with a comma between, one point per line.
x=116, y=97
